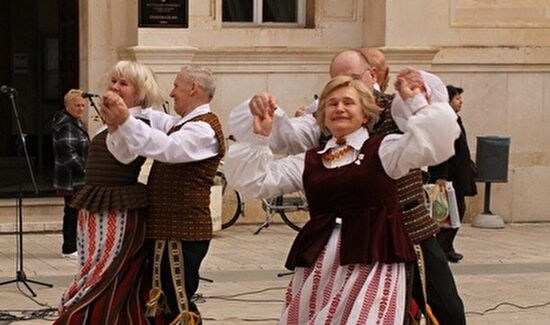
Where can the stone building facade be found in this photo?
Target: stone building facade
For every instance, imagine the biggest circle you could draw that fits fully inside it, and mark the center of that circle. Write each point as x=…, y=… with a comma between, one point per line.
x=498, y=51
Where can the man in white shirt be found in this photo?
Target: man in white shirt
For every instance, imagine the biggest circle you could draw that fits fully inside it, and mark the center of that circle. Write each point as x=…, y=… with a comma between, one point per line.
x=187, y=151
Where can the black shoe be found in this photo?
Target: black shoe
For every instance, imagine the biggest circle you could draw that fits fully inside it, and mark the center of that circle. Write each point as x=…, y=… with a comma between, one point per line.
x=454, y=257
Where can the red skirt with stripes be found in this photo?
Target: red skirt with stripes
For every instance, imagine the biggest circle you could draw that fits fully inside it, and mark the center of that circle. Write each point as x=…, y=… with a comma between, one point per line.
x=107, y=288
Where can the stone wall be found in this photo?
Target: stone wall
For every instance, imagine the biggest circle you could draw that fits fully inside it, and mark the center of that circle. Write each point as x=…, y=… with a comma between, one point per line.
x=498, y=51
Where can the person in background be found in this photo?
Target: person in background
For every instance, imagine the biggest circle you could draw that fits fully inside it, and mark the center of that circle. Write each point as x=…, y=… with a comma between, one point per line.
x=379, y=75
x=111, y=224
x=349, y=258
x=378, y=61
x=70, y=149
x=460, y=170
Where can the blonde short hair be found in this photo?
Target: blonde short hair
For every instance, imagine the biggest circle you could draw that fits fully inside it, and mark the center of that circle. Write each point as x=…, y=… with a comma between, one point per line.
x=366, y=98
x=203, y=76
x=70, y=95
x=149, y=91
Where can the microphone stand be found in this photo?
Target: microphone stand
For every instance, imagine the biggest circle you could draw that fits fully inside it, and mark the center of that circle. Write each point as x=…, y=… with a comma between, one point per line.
x=95, y=107
x=20, y=275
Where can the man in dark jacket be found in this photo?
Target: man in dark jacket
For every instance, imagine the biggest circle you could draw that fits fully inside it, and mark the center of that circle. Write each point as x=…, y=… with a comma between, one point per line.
x=70, y=147
x=460, y=170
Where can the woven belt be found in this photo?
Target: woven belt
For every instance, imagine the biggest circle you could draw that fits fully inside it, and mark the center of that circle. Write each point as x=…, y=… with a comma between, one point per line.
x=430, y=317
x=157, y=300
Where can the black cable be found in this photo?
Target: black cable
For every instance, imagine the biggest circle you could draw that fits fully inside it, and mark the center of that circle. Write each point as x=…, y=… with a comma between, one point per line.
x=31, y=298
x=48, y=313
x=6, y=316
x=507, y=304
x=242, y=319
x=199, y=298
x=248, y=300
x=248, y=293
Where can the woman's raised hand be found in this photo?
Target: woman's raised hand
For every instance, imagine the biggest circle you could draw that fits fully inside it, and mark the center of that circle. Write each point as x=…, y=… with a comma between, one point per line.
x=409, y=83
x=113, y=110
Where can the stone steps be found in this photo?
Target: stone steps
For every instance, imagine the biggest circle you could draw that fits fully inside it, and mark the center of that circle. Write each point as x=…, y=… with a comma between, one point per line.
x=38, y=214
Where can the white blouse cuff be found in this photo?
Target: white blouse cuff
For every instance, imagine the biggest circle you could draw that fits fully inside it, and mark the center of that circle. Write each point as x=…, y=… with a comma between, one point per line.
x=417, y=102
x=260, y=140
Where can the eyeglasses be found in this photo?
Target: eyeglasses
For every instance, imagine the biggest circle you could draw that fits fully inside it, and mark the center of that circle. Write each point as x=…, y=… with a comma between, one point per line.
x=359, y=76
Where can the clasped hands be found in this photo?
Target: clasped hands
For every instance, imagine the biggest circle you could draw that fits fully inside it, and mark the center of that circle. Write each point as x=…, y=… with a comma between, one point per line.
x=409, y=83
x=263, y=106
x=113, y=110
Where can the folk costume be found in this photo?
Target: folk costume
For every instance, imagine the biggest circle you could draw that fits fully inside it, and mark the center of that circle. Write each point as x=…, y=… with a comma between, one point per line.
x=178, y=223
x=295, y=135
x=111, y=228
x=349, y=259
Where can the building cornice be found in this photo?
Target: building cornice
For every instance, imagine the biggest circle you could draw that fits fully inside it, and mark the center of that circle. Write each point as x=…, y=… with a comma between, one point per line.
x=233, y=60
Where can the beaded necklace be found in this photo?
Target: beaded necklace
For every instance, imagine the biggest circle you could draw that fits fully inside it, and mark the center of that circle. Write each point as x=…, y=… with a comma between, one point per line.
x=335, y=155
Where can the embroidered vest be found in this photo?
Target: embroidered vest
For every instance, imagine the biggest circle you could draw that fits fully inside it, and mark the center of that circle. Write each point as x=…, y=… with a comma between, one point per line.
x=110, y=185
x=179, y=193
x=416, y=216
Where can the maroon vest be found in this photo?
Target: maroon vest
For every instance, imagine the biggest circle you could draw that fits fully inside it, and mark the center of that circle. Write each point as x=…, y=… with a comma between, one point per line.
x=365, y=198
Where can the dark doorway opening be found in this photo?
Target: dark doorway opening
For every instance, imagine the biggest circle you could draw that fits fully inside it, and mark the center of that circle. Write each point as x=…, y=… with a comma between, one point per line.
x=40, y=59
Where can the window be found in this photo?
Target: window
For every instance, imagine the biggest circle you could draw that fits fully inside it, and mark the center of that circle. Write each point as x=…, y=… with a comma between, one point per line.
x=264, y=12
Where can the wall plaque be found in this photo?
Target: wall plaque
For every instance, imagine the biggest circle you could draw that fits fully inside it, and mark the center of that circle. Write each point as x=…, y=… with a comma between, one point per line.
x=164, y=13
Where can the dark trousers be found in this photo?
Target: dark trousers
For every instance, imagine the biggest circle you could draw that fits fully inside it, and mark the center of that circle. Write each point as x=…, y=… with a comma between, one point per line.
x=447, y=236
x=193, y=254
x=441, y=289
x=70, y=219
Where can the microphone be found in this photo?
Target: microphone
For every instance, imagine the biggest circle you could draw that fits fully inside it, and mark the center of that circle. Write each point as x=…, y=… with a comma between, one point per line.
x=89, y=95
x=7, y=90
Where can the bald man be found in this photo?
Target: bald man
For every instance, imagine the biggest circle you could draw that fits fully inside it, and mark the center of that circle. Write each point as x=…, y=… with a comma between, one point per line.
x=292, y=136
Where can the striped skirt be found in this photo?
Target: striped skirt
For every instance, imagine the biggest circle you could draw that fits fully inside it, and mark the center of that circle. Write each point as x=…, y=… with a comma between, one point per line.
x=329, y=293
x=107, y=287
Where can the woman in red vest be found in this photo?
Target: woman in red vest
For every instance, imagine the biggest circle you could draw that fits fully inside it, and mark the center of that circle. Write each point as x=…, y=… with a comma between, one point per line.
x=349, y=258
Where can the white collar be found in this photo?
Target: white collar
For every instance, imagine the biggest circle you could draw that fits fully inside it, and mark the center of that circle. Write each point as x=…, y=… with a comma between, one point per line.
x=199, y=110
x=135, y=111
x=354, y=140
x=138, y=111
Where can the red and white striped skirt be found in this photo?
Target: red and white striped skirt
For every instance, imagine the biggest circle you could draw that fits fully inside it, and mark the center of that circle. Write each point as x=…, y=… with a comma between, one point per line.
x=107, y=287
x=328, y=293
